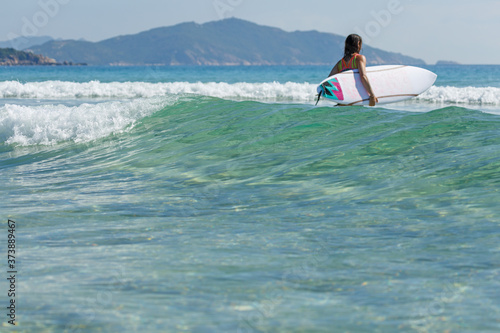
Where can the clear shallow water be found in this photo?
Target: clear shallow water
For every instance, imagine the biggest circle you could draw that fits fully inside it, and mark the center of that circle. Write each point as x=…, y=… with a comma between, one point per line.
x=170, y=205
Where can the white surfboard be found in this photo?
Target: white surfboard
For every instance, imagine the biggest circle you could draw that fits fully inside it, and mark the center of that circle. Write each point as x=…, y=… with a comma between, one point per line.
x=389, y=83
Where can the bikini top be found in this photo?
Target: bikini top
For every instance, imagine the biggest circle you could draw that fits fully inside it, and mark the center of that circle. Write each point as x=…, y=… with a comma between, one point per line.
x=351, y=64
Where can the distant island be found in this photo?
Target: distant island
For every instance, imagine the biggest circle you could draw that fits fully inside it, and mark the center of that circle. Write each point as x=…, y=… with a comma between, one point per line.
x=12, y=57
x=229, y=42
x=446, y=63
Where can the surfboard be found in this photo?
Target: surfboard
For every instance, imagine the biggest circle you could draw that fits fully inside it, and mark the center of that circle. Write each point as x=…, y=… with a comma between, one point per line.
x=390, y=83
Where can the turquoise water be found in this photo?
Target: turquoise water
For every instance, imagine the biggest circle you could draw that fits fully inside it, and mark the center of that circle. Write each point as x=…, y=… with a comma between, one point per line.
x=187, y=200
x=458, y=76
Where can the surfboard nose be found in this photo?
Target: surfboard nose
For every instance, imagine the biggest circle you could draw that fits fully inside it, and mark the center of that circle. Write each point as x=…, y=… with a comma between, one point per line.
x=429, y=78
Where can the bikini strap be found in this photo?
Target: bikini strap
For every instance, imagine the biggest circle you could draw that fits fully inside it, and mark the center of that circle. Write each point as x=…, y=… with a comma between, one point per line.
x=353, y=61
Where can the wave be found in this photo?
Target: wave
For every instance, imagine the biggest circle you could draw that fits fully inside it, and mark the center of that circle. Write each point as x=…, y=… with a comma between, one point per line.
x=197, y=119
x=462, y=95
x=94, y=89
x=270, y=91
x=50, y=124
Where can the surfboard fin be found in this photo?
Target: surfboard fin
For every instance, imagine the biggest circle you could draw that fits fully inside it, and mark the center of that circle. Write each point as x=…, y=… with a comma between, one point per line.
x=319, y=96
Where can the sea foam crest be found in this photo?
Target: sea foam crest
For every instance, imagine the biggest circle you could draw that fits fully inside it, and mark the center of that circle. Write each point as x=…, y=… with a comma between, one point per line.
x=270, y=91
x=50, y=124
x=95, y=89
x=462, y=95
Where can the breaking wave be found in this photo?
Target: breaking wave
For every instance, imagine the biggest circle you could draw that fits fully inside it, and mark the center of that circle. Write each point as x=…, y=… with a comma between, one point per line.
x=270, y=91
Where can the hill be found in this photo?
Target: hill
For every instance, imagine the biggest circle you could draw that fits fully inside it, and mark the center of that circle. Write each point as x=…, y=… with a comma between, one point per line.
x=226, y=42
x=12, y=57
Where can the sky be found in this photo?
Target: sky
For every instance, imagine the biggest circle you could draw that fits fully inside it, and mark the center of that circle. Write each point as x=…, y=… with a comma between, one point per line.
x=432, y=30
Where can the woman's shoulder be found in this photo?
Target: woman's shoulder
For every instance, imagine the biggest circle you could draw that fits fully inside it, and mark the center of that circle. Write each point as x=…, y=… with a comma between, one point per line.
x=360, y=57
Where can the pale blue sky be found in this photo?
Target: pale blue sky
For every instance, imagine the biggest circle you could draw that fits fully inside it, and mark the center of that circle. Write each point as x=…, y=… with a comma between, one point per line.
x=459, y=30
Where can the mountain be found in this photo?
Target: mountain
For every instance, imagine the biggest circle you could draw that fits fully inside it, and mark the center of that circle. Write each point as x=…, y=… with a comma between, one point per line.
x=226, y=42
x=22, y=43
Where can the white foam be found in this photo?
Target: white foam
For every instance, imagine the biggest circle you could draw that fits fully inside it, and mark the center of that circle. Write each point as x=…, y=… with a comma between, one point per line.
x=70, y=90
x=50, y=124
x=463, y=95
x=270, y=91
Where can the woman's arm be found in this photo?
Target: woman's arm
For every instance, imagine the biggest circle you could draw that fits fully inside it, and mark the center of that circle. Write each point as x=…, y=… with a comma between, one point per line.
x=365, y=81
x=335, y=70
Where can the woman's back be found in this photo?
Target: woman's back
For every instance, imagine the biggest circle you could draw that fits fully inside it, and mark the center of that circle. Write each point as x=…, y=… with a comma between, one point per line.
x=351, y=63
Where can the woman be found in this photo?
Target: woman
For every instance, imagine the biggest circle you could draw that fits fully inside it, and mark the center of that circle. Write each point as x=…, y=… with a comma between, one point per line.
x=353, y=60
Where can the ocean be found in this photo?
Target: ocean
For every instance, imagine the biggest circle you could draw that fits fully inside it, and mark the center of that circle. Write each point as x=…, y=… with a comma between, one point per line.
x=221, y=199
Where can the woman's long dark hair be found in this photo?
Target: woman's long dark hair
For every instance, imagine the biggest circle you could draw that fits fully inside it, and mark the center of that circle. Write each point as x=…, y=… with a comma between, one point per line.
x=352, y=46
